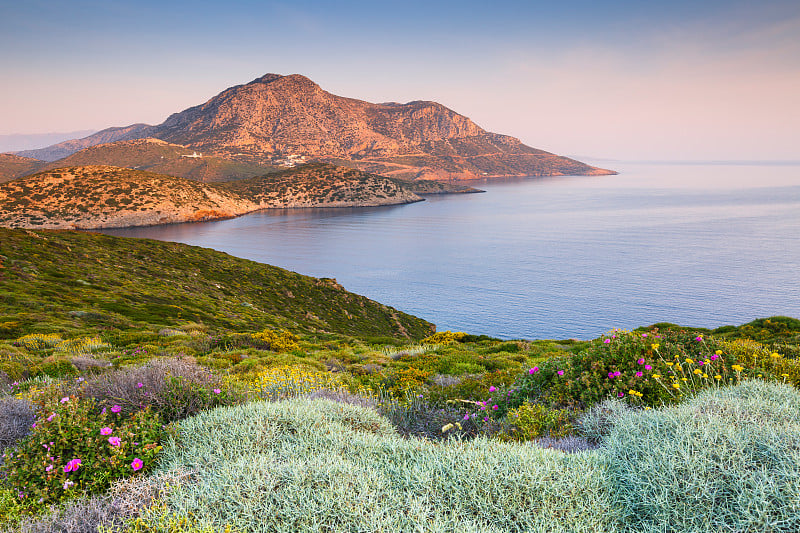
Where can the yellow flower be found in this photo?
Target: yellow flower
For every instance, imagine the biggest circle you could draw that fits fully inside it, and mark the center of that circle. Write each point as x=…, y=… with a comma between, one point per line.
x=684, y=379
x=656, y=376
x=705, y=375
x=689, y=361
x=760, y=375
x=717, y=377
x=632, y=392
x=676, y=386
x=670, y=363
x=775, y=355
x=655, y=346
x=785, y=375
x=718, y=352
x=698, y=371
x=737, y=368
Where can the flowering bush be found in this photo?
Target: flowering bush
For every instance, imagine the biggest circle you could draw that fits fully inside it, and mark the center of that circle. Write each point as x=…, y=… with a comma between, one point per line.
x=76, y=447
x=278, y=341
x=648, y=368
x=444, y=337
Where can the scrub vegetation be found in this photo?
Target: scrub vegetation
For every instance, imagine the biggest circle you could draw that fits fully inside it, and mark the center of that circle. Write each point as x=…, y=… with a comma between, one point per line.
x=159, y=387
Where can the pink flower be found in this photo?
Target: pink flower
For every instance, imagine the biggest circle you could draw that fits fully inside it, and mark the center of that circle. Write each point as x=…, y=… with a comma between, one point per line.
x=217, y=391
x=68, y=484
x=49, y=468
x=139, y=385
x=648, y=367
x=714, y=357
x=106, y=431
x=116, y=409
x=72, y=466
x=610, y=375
x=466, y=416
x=644, y=334
x=639, y=374
x=533, y=370
x=560, y=372
x=114, y=441
x=621, y=394
x=699, y=338
x=492, y=388
x=640, y=361
x=495, y=407
x=65, y=399
x=483, y=407
x=485, y=418
x=607, y=341
x=51, y=417
x=137, y=464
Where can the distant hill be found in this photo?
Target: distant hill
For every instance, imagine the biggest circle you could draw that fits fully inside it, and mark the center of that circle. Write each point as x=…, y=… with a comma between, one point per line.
x=88, y=197
x=63, y=149
x=162, y=157
x=275, y=117
x=14, y=166
x=30, y=141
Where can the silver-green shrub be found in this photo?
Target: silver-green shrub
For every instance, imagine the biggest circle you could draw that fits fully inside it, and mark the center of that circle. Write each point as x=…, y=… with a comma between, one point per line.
x=316, y=465
x=596, y=423
x=727, y=460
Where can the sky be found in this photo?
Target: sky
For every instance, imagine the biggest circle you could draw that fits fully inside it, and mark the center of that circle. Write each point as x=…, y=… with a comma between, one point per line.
x=627, y=80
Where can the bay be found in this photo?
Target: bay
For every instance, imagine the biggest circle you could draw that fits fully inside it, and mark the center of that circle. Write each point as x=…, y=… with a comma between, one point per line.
x=561, y=257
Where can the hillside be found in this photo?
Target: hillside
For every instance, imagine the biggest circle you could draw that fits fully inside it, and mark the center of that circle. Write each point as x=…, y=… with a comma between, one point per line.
x=274, y=117
x=111, y=197
x=90, y=197
x=108, y=135
x=322, y=185
x=65, y=281
x=162, y=157
x=14, y=166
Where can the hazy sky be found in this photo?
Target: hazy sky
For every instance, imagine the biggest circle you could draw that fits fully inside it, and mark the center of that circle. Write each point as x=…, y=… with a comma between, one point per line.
x=698, y=79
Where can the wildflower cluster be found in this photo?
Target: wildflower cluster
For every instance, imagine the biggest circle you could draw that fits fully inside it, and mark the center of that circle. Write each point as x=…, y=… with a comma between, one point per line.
x=75, y=447
x=282, y=382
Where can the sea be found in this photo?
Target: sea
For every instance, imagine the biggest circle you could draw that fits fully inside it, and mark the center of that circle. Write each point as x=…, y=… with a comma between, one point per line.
x=697, y=244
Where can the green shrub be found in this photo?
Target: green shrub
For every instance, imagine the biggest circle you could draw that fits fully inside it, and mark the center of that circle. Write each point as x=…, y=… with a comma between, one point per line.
x=727, y=460
x=70, y=450
x=531, y=420
x=58, y=368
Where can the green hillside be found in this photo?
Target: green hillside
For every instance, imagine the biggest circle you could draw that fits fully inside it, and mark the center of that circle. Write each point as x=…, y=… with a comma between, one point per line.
x=54, y=281
x=161, y=157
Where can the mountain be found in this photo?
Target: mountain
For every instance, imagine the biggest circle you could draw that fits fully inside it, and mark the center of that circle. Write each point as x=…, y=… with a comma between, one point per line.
x=162, y=157
x=90, y=197
x=14, y=166
x=277, y=117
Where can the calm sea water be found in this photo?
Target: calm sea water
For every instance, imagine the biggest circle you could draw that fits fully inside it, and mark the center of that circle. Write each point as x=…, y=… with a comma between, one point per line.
x=702, y=245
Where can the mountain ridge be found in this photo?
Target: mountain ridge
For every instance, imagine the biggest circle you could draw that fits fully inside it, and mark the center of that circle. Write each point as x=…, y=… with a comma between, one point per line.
x=274, y=116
